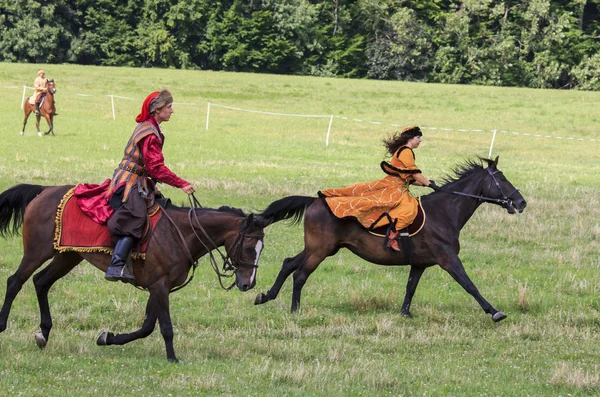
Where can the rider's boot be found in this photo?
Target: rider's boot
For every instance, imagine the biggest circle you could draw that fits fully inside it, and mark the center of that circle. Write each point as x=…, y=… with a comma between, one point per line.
x=117, y=271
x=393, y=241
x=37, y=108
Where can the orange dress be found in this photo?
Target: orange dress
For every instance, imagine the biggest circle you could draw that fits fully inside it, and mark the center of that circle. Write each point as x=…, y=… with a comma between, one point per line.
x=378, y=203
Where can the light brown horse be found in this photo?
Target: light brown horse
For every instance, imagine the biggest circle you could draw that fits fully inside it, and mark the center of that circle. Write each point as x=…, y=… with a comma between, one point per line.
x=47, y=109
x=181, y=237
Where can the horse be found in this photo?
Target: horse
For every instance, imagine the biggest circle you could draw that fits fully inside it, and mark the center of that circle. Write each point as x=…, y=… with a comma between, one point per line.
x=447, y=211
x=47, y=109
x=174, y=248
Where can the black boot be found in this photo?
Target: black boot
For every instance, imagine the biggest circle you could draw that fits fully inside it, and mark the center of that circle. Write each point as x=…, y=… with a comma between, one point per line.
x=117, y=271
x=37, y=108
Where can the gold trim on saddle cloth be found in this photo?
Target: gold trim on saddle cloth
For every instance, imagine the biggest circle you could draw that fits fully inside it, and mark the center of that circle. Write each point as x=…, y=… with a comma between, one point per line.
x=58, y=234
x=420, y=226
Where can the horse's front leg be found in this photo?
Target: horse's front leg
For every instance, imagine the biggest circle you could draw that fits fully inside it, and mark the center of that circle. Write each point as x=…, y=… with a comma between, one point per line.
x=413, y=280
x=453, y=265
x=287, y=268
x=37, y=124
x=108, y=338
x=50, y=126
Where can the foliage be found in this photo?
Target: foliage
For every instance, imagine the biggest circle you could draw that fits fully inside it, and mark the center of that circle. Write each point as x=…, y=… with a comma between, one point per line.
x=537, y=43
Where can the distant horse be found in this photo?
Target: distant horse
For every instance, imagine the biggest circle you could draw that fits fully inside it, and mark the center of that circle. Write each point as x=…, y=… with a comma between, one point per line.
x=47, y=109
x=176, y=243
x=447, y=211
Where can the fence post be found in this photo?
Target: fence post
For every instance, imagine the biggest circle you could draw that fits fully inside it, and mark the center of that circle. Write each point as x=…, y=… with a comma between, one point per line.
x=112, y=102
x=207, y=115
x=23, y=99
x=492, y=144
x=329, y=131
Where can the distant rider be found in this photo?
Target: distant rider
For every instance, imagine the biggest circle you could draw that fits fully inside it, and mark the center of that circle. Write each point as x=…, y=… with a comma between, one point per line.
x=41, y=87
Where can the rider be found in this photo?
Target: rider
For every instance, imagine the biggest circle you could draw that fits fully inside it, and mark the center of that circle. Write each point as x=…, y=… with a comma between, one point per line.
x=40, y=85
x=133, y=182
x=386, y=201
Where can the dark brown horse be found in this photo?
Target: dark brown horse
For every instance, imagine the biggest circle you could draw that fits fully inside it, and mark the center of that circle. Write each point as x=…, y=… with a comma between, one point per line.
x=47, y=110
x=178, y=240
x=447, y=211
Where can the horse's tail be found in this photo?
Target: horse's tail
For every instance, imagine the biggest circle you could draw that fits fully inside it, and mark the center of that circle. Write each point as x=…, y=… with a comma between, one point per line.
x=291, y=207
x=12, y=207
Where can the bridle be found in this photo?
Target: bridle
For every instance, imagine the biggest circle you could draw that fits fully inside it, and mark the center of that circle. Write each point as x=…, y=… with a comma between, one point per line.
x=505, y=201
x=231, y=262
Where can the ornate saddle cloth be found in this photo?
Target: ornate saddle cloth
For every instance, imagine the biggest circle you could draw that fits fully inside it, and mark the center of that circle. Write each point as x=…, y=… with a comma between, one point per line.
x=75, y=231
x=414, y=228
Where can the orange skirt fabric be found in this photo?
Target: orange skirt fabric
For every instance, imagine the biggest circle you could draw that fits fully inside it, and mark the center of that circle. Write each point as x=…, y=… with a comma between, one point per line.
x=374, y=203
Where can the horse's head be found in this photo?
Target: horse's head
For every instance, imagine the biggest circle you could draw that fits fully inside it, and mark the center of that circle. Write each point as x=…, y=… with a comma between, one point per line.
x=244, y=251
x=51, y=86
x=500, y=189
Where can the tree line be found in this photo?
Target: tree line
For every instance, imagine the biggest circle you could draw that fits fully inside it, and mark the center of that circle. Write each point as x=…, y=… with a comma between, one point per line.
x=525, y=43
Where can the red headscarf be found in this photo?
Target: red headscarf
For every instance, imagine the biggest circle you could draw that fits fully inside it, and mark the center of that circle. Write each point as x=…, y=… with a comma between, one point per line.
x=145, y=113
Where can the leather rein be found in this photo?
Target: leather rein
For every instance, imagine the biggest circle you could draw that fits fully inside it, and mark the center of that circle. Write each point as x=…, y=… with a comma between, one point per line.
x=505, y=201
x=229, y=262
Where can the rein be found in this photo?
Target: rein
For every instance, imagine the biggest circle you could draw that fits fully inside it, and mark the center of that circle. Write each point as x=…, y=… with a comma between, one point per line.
x=504, y=201
x=228, y=264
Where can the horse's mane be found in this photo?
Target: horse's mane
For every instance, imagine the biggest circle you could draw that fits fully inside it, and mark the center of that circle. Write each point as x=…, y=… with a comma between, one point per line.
x=223, y=208
x=464, y=169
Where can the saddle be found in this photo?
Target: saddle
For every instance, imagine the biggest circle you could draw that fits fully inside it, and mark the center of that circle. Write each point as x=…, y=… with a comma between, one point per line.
x=77, y=232
x=414, y=228
x=403, y=237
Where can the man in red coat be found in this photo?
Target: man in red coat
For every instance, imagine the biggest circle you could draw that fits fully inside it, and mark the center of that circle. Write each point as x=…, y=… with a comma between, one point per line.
x=122, y=203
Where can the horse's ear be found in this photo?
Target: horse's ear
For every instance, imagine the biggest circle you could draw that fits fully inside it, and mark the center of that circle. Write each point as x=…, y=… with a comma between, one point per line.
x=495, y=163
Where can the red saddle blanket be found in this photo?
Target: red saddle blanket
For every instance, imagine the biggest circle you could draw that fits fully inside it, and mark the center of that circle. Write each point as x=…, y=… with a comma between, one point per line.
x=75, y=231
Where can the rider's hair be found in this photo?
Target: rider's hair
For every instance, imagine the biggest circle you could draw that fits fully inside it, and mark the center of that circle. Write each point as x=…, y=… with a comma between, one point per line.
x=399, y=139
x=163, y=98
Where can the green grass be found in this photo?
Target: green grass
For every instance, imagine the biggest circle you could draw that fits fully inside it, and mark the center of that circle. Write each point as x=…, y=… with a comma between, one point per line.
x=541, y=267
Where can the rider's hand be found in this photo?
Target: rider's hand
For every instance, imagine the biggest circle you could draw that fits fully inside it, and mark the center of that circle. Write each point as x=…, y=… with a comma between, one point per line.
x=189, y=189
x=434, y=186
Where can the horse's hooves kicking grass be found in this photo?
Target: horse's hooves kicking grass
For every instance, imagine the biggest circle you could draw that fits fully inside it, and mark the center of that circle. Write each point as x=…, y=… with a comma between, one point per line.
x=499, y=316
x=40, y=340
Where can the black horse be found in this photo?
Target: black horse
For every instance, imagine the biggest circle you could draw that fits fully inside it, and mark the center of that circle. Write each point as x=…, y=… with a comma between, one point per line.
x=447, y=211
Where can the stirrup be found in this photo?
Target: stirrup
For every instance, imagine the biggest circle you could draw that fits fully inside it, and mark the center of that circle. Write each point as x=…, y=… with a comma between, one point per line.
x=119, y=273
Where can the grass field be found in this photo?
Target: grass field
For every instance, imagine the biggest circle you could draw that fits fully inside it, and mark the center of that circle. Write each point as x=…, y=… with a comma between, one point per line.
x=542, y=268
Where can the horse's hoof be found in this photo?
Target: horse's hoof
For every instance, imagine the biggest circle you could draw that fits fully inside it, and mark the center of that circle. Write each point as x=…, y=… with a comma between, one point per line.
x=260, y=299
x=40, y=340
x=498, y=316
x=22, y=133
x=406, y=314
x=173, y=360
x=39, y=134
x=102, y=339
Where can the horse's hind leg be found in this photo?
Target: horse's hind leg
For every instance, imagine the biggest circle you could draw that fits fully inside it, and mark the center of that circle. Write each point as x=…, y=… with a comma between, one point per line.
x=287, y=268
x=25, y=118
x=62, y=264
x=29, y=264
x=411, y=286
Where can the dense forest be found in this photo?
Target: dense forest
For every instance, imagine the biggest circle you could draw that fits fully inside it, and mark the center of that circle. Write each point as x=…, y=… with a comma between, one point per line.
x=526, y=43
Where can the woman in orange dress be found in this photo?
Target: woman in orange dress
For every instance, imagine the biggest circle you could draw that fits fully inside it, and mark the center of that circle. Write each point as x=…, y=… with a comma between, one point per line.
x=386, y=201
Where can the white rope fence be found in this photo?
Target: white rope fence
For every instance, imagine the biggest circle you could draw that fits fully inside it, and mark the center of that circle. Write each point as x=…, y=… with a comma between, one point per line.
x=330, y=117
